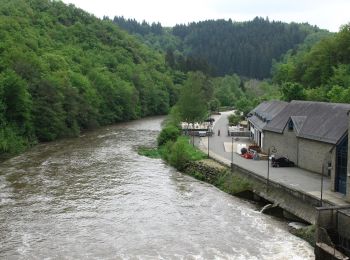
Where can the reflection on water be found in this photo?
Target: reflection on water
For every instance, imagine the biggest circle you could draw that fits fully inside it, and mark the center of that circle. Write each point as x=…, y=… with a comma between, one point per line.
x=94, y=197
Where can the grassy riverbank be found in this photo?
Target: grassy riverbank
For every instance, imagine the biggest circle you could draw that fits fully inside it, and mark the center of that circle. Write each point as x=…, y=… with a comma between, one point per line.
x=179, y=152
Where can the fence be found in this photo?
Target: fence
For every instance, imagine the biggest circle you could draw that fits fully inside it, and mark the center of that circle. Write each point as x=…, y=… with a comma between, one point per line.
x=333, y=233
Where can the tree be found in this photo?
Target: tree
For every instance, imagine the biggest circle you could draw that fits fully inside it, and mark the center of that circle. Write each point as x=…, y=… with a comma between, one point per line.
x=192, y=103
x=214, y=105
x=16, y=100
x=339, y=95
x=292, y=91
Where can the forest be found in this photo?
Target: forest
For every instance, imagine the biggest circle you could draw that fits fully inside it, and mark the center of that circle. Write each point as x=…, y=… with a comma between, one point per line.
x=64, y=71
x=318, y=72
x=223, y=47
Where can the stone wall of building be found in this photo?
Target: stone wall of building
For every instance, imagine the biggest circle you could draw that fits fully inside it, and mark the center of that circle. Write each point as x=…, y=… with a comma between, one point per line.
x=307, y=154
x=286, y=144
x=315, y=156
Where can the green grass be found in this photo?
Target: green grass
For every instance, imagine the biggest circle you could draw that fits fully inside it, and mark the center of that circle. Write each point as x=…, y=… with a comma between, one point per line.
x=193, y=152
x=231, y=184
x=150, y=152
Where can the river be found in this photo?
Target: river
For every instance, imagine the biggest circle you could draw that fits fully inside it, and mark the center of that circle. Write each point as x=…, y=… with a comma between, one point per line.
x=94, y=197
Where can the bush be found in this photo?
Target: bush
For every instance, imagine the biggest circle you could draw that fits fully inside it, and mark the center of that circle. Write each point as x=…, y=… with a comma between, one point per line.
x=179, y=153
x=11, y=142
x=234, y=119
x=169, y=133
x=232, y=184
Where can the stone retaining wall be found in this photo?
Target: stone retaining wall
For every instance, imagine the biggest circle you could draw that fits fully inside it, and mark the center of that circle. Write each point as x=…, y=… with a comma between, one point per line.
x=299, y=204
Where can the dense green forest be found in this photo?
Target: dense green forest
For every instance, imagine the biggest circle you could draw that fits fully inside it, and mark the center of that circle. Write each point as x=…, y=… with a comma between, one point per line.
x=63, y=70
x=223, y=47
x=319, y=72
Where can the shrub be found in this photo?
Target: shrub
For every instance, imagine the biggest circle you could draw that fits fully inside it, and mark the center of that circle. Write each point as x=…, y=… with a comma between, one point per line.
x=179, y=153
x=169, y=133
x=234, y=119
x=11, y=142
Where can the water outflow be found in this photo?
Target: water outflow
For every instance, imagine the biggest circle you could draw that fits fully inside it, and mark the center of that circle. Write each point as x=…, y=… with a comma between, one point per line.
x=94, y=197
x=266, y=207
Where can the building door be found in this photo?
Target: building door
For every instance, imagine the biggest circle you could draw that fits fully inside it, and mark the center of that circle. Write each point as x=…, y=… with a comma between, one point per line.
x=259, y=139
x=341, y=166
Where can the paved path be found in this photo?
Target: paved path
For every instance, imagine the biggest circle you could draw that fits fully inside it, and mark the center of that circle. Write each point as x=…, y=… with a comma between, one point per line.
x=294, y=177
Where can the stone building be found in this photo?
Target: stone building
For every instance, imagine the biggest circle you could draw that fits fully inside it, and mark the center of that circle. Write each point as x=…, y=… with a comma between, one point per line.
x=314, y=135
x=260, y=116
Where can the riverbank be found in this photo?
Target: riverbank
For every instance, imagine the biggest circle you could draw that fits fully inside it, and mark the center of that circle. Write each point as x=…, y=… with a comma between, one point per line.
x=238, y=184
x=182, y=153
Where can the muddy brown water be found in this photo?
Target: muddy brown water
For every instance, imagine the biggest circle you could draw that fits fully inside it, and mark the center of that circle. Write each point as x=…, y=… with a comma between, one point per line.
x=94, y=197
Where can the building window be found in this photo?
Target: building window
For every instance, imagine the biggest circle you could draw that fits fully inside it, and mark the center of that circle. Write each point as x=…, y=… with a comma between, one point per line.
x=290, y=125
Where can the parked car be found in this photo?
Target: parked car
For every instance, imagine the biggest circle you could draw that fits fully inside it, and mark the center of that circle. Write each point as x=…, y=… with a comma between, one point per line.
x=281, y=162
x=202, y=133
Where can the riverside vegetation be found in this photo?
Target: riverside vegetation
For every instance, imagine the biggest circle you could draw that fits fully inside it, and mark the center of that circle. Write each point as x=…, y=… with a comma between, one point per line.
x=177, y=150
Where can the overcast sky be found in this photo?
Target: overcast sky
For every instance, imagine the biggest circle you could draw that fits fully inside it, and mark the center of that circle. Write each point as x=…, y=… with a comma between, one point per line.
x=327, y=14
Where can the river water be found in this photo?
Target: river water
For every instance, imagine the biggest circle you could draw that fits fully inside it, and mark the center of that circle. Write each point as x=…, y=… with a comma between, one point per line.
x=94, y=197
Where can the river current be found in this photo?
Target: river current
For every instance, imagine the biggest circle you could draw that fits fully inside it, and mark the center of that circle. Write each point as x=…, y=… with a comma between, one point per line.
x=94, y=197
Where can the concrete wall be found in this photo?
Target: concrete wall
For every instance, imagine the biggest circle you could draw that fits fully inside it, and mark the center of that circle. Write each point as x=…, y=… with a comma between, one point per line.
x=307, y=154
x=293, y=201
x=334, y=219
x=286, y=144
x=314, y=156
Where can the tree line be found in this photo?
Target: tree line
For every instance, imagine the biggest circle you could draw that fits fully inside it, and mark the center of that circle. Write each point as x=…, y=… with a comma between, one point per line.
x=223, y=47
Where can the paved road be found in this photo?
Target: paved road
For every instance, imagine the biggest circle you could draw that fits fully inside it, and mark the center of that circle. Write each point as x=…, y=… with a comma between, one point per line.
x=294, y=177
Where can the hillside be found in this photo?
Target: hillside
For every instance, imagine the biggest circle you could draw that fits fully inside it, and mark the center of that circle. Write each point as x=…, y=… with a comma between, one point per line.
x=220, y=47
x=63, y=70
x=319, y=72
